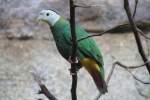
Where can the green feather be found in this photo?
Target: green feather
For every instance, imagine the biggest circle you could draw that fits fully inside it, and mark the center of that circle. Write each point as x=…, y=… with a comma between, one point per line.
x=86, y=48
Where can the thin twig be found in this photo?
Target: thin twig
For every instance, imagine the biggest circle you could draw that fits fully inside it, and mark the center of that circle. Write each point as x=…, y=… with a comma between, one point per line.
x=93, y=35
x=46, y=92
x=128, y=68
x=132, y=67
x=74, y=49
x=119, y=28
x=143, y=34
x=125, y=27
x=43, y=88
x=135, y=8
x=143, y=95
x=136, y=34
x=141, y=81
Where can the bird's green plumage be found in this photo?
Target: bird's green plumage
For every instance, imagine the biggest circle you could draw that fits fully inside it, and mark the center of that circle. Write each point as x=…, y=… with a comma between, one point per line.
x=86, y=48
x=88, y=52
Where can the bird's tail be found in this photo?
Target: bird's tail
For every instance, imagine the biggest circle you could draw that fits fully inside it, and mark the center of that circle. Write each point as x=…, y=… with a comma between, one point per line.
x=97, y=74
x=99, y=81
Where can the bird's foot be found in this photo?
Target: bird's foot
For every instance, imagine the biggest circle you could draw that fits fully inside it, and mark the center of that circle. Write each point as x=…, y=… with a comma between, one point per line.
x=70, y=60
x=77, y=66
x=74, y=71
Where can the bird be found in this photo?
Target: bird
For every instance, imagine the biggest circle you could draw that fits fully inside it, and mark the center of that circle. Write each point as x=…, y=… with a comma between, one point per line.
x=88, y=52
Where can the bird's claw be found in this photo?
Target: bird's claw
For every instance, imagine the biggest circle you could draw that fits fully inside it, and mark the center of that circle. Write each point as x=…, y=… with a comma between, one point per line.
x=77, y=66
x=70, y=60
x=73, y=72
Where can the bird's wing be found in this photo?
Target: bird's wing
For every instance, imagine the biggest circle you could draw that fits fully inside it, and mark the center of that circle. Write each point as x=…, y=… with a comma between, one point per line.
x=90, y=49
x=87, y=47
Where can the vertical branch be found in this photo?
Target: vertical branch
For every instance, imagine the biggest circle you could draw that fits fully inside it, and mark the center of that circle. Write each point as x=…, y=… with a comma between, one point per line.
x=136, y=34
x=135, y=8
x=74, y=49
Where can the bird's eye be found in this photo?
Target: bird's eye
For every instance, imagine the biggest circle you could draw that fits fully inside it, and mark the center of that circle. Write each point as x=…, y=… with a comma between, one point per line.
x=47, y=14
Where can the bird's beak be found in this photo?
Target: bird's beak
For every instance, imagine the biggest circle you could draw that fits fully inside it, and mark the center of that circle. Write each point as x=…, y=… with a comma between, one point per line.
x=39, y=18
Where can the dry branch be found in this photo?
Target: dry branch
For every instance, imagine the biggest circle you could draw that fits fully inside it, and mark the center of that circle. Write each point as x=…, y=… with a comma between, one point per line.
x=74, y=49
x=119, y=28
x=136, y=34
x=127, y=68
x=143, y=34
x=135, y=8
x=122, y=28
x=46, y=92
x=43, y=88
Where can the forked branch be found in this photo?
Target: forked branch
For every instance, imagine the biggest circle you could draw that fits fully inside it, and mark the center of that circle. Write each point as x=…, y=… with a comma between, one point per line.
x=136, y=34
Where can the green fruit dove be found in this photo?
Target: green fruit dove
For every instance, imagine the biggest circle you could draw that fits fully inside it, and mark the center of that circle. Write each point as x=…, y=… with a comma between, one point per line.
x=88, y=53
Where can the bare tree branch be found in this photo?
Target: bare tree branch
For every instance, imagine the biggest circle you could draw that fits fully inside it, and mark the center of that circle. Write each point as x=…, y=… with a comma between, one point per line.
x=135, y=8
x=118, y=28
x=74, y=49
x=136, y=34
x=143, y=34
x=96, y=30
x=125, y=27
x=44, y=89
x=46, y=92
x=93, y=35
x=128, y=68
x=132, y=67
x=140, y=93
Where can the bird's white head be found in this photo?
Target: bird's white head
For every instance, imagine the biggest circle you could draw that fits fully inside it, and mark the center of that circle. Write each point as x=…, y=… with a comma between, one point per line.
x=49, y=16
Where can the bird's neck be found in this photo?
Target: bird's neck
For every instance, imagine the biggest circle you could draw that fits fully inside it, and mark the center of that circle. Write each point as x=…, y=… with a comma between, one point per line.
x=60, y=23
x=54, y=19
x=59, y=28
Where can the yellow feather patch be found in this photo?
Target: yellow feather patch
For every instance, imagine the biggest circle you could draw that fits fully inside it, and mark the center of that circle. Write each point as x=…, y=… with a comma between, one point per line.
x=90, y=64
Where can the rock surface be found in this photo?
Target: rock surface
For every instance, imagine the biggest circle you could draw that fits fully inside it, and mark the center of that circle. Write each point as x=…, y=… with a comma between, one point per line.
x=20, y=59
x=19, y=19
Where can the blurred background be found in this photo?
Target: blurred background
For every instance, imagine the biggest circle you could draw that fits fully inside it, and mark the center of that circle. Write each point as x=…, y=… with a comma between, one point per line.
x=27, y=48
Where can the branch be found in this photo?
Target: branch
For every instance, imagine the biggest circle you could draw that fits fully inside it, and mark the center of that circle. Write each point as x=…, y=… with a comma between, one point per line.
x=137, y=37
x=93, y=35
x=135, y=8
x=119, y=28
x=124, y=27
x=44, y=89
x=46, y=92
x=135, y=77
x=132, y=67
x=100, y=34
x=74, y=49
x=127, y=68
x=142, y=33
